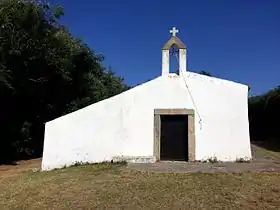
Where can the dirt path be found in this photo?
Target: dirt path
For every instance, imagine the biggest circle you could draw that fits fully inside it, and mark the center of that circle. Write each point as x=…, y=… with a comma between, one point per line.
x=20, y=166
x=262, y=161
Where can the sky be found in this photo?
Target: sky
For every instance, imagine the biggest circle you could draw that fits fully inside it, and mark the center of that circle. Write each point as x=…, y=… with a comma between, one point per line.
x=238, y=40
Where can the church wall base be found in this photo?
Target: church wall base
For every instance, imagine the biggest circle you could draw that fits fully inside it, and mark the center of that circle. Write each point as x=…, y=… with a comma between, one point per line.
x=135, y=159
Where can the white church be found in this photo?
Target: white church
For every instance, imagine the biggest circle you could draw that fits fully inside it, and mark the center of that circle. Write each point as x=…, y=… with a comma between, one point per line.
x=175, y=117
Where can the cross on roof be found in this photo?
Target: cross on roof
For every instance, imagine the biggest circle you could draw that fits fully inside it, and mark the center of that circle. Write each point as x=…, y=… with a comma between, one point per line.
x=174, y=31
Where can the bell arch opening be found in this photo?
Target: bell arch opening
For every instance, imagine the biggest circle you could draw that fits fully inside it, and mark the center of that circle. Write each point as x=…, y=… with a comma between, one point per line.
x=174, y=59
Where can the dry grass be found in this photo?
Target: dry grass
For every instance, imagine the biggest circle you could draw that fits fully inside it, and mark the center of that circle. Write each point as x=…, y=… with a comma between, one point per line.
x=116, y=187
x=20, y=166
x=269, y=149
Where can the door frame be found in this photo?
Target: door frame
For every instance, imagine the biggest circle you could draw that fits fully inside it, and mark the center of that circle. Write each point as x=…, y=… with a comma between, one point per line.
x=191, y=130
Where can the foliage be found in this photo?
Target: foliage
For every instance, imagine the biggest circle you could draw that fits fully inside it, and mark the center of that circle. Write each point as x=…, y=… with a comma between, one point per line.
x=45, y=72
x=264, y=114
x=205, y=73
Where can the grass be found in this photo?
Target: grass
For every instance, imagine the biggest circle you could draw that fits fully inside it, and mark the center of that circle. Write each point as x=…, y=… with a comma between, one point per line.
x=270, y=149
x=109, y=186
x=113, y=186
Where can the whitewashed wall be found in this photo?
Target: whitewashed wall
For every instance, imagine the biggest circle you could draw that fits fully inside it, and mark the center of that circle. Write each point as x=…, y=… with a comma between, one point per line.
x=123, y=125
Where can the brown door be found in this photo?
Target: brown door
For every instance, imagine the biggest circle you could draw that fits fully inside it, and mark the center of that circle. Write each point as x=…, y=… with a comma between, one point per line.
x=174, y=137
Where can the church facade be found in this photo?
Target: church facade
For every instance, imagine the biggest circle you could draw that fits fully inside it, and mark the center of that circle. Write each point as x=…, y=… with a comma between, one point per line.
x=177, y=117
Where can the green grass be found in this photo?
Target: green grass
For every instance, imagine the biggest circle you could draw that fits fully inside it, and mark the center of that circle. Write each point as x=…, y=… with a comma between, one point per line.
x=116, y=187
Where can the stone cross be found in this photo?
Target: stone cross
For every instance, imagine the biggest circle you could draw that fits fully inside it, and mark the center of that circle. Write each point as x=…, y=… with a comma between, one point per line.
x=174, y=31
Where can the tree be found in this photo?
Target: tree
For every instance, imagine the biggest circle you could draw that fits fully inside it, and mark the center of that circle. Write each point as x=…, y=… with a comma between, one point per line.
x=200, y=72
x=45, y=72
x=264, y=114
x=205, y=73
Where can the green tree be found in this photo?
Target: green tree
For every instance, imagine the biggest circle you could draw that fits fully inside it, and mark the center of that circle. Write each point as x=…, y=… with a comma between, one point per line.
x=45, y=72
x=264, y=114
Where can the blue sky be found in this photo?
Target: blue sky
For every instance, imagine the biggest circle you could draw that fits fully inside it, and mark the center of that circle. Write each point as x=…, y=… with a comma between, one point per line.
x=237, y=40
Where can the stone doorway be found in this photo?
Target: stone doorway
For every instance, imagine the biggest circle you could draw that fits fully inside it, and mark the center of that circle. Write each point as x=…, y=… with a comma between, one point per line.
x=166, y=147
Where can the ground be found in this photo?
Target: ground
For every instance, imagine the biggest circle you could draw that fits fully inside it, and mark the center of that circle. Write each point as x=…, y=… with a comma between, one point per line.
x=263, y=160
x=122, y=187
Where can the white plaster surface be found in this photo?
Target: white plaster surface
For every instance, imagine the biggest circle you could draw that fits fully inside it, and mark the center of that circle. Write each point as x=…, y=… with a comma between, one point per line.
x=123, y=125
x=183, y=59
x=165, y=63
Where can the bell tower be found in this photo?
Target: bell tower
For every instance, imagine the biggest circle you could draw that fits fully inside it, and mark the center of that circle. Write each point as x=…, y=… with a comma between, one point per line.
x=174, y=41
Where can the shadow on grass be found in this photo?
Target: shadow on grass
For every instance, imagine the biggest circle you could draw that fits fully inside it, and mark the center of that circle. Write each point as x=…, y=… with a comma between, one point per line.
x=13, y=160
x=9, y=163
x=272, y=145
